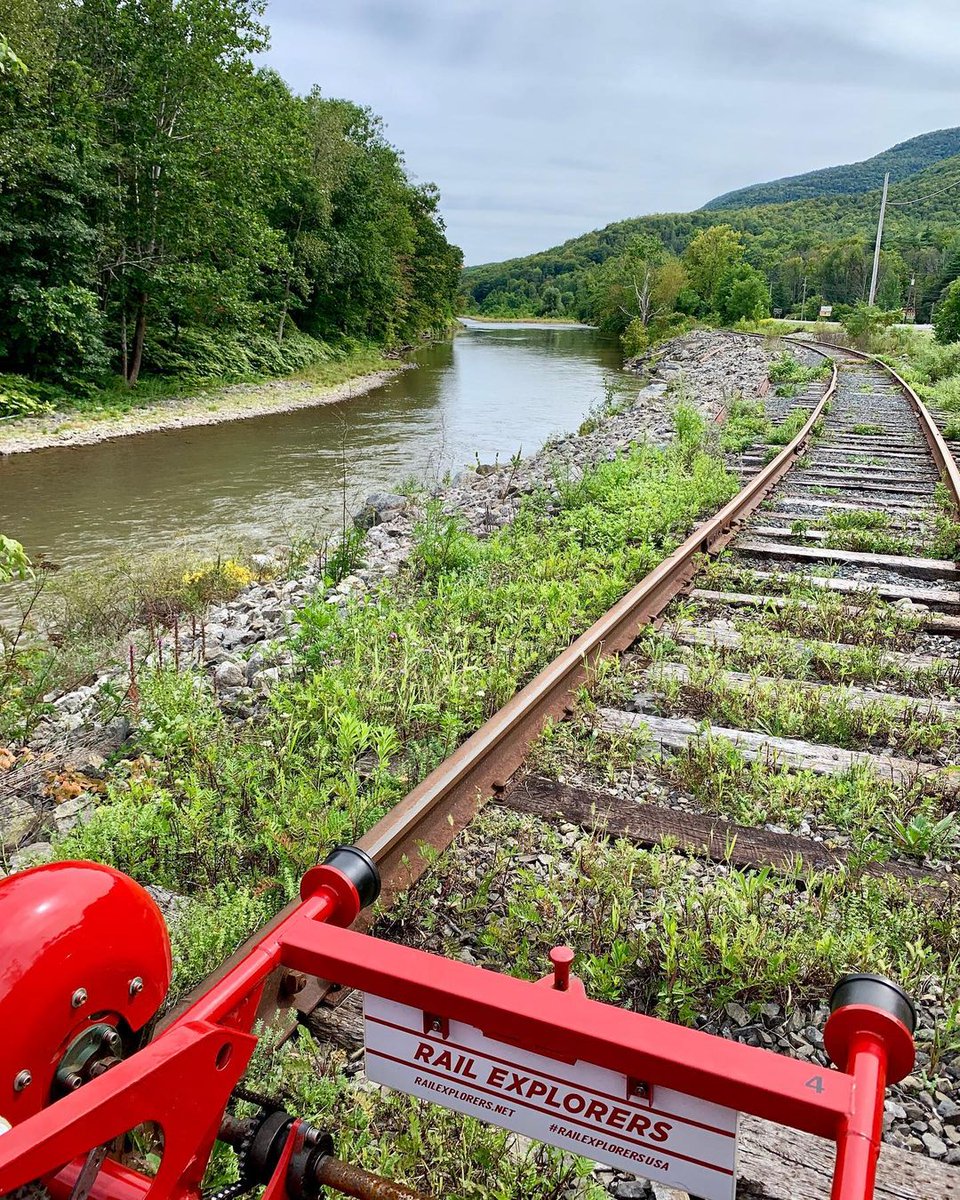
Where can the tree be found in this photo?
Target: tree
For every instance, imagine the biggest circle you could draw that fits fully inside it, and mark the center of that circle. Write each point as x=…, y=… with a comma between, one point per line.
x=550, y=300
x=53, y=326
x=641, y=284
x=172, y=76
x=743, y=295
x=709, y=258
x=946, y=318
x=893, y=274
x=864, y=321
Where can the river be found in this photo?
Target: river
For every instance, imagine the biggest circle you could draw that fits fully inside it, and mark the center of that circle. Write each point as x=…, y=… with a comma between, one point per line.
x=493, y=390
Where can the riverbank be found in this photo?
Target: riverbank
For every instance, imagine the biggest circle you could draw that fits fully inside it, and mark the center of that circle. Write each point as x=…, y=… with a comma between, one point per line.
x=243, y=646
x=329, y=383
x=536, y=322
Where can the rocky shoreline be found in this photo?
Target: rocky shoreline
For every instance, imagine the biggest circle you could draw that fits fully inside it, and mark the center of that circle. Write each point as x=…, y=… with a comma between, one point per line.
x=243, y=647
x=237, y=402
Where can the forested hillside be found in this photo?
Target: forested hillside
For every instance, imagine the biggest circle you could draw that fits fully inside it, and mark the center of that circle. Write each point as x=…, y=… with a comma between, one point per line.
x=902, y=160
x=827, y=242
x=166, y=207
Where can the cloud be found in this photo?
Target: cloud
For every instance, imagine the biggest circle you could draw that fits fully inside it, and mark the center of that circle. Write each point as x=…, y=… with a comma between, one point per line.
x=543, y=119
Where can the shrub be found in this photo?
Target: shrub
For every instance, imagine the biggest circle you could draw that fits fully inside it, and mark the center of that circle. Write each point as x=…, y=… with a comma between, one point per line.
x=946, y=320
x=20, y=397
x=214, y=582
x=865, y=323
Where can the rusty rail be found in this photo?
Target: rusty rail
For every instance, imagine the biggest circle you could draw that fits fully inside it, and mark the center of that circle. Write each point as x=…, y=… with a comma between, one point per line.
x=431, y=816
x=450, y=796
x=946, y=464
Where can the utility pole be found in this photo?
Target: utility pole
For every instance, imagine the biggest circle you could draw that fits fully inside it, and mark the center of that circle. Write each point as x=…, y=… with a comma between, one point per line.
x=876, y=252
x=803, y=302
x=910, y=312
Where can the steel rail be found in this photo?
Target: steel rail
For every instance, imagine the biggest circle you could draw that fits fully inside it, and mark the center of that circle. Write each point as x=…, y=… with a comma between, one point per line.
x=940, y=451
x=430, y=817
x=450, y=796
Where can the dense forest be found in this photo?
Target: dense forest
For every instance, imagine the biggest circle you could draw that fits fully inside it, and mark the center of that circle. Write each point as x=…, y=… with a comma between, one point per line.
x=902, y=160
x=806, y=252
x=168, y=208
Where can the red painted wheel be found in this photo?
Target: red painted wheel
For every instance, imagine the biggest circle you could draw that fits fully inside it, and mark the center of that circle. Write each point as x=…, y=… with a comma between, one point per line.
x=84, y=965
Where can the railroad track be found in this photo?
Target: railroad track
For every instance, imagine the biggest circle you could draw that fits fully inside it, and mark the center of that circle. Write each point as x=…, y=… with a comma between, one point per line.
x=808, y=633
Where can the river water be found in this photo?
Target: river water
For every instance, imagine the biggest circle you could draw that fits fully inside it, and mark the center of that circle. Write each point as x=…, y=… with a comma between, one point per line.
x=492, y=390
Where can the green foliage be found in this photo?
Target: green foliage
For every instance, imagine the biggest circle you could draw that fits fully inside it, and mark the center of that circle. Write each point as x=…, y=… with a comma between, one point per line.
x=864, y=322
x=946, y=320
x=170, y=209
x=817, y=248
x=745, y=425
x=88, y=616
x=788, y=369
x=789, y=427
x=712, y=260
x=10, y=64
x=660, y=934
x=903, y=160
x=20, y=397
x=442, y=544
x=743, y=296
x=14, y=563
x=924, y=837
x=637, y=288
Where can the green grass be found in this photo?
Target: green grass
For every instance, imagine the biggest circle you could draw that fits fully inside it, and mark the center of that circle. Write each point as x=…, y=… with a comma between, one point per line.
x=660, y=933
x=745, y=425
x=804, y=610
x=866, y=531
x=823, y=714
x=864, y=808
x=791, y=376
x=231, y=816
x=69, y=626
x=763, y=649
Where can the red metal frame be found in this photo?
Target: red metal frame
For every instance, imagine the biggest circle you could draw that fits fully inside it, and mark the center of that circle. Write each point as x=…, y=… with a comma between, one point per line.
x=183, y=1078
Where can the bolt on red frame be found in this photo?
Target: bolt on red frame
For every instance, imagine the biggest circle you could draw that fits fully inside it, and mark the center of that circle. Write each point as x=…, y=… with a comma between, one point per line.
x=182, y=1079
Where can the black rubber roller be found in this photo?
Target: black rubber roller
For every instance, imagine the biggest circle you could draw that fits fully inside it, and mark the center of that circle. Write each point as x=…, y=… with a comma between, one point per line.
x=359, y=868
x=878, y=993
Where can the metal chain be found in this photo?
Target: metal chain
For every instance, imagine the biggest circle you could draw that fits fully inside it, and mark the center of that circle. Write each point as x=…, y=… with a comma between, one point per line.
x=245, y=1181
x=268, y=1103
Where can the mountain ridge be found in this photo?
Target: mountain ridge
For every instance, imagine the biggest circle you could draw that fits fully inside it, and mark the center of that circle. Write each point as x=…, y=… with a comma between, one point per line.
x=902, y=160
x=834, y=234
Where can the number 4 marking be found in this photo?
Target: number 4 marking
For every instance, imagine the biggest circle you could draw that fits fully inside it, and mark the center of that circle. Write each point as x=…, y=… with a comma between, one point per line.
x=816, y=1083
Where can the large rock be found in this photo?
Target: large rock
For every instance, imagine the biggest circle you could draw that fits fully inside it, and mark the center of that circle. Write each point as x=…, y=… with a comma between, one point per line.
x=379, y=507
x=77, y=811
x=31, y=856
x=229, y=675
x=18, y=821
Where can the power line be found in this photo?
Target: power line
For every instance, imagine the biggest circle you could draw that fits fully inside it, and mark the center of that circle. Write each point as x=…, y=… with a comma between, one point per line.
x=920, y=199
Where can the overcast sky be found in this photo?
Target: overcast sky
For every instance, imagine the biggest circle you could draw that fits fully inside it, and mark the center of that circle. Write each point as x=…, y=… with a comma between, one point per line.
x=541, y=119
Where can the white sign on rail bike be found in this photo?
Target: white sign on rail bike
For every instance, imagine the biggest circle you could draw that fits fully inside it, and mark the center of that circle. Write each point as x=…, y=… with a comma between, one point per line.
x=673, y=1138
